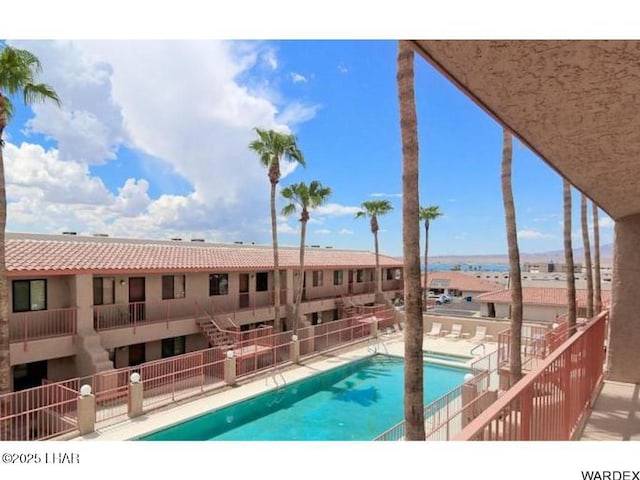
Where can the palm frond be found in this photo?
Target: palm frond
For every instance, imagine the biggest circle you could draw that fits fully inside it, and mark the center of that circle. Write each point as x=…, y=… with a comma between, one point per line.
x=39, y=92
x=7, y=108
x=289, y=209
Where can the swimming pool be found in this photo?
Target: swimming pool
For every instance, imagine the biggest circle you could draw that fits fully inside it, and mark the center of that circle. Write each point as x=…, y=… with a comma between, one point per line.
x=354, y=402
x=429, y=355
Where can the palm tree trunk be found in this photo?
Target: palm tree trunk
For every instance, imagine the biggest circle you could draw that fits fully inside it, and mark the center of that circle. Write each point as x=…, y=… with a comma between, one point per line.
x=426, y=265
x=277, y=323
x=414, y=331
x=5, y=364
x=296, y=310
x=515, y=279
x=568, y=256
x=596, y=260
x=378, y=272
x=587, y=254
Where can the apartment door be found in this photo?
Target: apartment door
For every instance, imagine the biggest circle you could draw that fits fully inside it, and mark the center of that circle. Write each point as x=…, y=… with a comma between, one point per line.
x=136, y=299
x=243, y=290
x=137, y=354
x=350, y=282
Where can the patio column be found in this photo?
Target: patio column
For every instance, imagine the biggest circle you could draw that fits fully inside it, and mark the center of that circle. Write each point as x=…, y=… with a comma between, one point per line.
x=624, y=326
x=82, y=293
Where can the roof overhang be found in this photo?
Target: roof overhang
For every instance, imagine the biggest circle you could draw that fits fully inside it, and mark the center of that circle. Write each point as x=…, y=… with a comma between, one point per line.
x=575, y=103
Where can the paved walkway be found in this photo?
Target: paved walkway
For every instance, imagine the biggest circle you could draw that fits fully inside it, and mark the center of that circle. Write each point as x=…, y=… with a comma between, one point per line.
x=615, y=414
x=391, y=344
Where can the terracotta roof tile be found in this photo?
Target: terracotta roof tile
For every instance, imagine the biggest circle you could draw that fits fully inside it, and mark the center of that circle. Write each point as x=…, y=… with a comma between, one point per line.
x=541, y=296
x=88, y=254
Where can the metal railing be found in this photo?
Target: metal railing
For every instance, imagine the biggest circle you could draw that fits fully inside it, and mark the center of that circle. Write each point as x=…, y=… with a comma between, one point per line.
x=551, y=401
x=135, y=314
x=26, y=326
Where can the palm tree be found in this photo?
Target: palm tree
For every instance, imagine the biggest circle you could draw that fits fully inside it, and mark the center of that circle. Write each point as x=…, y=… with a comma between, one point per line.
x=587, y=254
x=414, y=334
x=515, y=279
x=374, y=209
x=18, y=70
x=304, y=197
x=568, y=256
x=426, y=215
x=272, y=147
x=596, y=260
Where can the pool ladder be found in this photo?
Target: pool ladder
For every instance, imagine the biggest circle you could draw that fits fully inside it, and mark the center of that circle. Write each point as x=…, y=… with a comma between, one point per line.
x=478, y=346
x=275, y=375
x=373, y=345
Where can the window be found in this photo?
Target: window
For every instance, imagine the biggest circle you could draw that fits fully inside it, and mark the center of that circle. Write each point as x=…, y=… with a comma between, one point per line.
x=390, y=273
x=262, y=281
x=218, y=284
x=172, y=286
x=29, y=295
x=317, y=278
x=173, y=346
x=337, y=277
x=359, y=276
x=103, y=290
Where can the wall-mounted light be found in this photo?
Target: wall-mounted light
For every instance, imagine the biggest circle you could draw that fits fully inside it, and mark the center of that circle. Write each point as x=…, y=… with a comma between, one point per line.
x=122, y=282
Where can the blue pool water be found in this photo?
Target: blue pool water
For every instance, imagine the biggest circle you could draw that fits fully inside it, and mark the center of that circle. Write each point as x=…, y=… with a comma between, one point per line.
x=355, y=402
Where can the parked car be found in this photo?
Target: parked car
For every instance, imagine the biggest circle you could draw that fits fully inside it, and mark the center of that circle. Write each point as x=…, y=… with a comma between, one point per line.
x=444, y=298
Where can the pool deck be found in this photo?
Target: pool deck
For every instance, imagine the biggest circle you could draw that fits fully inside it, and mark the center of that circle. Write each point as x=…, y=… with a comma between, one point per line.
x=156, y=420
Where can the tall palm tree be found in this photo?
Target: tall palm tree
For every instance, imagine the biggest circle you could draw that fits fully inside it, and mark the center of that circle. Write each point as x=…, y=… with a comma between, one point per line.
x=272, y=147
x=18, y=72
x=568, y=256
x=596, y=260
x=515, y=279
x=426, y=215
x=413, y=335
x=587, y=254
x=305, y=197
x=374, y=209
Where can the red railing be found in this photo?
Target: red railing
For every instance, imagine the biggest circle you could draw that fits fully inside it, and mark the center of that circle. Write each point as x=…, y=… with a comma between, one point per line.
x=253, y=356
x=135, y=314
x=25, y=326
x=38, y=413
x=550, y=402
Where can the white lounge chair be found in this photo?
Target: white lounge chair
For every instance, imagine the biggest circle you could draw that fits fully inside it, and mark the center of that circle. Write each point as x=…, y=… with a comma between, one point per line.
x=436, y=329
x=456, y=331
x=480, y=336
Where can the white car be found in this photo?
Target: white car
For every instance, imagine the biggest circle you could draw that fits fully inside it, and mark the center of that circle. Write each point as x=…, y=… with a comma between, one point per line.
x=444, y=298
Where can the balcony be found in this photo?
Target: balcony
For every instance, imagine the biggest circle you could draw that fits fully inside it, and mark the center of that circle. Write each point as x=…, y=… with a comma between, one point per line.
x=29, y=326
x=135, y=314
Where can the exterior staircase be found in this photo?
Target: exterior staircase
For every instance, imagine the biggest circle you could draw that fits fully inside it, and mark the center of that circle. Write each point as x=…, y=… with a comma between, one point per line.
x=215, y=336
x=92, y=356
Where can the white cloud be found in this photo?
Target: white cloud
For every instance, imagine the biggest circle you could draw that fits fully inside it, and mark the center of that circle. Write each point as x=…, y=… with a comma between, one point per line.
x=336, y=210
x=323, y=231
x=179, y=102
x=287, y=229
x=461, y=236
x=606, y=222
x=533, y=234
x=297, y=78
x=342, y=68
x=345, y=231
x=390, y=195
x=270, y=59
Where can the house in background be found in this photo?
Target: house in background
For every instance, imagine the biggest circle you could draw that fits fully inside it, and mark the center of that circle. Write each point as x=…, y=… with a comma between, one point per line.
x=459, y=284
x=540, y=304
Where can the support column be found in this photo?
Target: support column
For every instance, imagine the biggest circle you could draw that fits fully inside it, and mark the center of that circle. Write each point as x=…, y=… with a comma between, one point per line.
x=86, y=411
x=230, y=369
x=82, y=293
x=624, y=325
x=295, y=349
x=136, y=396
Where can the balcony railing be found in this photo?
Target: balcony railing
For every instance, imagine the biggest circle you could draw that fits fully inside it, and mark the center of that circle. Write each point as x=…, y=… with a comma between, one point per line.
x=135, y=314
x=26, y=326
x=550, y=402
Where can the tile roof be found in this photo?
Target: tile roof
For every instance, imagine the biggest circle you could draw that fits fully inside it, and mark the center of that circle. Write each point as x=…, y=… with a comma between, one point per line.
x=541, y=296
x=466, y=282
x=48, y=253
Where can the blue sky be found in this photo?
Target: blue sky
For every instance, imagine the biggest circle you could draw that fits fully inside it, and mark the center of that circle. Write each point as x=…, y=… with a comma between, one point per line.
x=151, y=142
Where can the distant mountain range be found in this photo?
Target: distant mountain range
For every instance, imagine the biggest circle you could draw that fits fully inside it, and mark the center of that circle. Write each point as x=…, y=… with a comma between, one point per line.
x=557, y=256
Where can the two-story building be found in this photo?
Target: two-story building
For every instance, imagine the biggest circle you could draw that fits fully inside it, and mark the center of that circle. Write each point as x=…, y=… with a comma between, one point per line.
x=80, y=305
